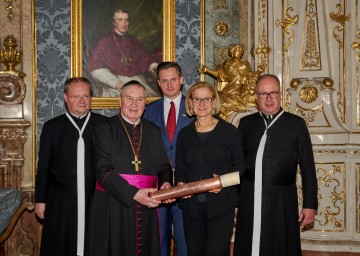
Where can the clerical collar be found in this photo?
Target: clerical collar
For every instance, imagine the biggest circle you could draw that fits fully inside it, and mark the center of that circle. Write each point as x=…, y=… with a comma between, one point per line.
x=270, y=117
x=130, y=122
x=77, y=116
x=118, y=32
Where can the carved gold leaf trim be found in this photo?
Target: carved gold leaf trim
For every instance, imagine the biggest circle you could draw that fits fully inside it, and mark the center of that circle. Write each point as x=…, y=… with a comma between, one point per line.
x=264, y=49
x=286, y=23
x=332, y=213
x=340, y=18
x=311, y=59
x=309, y=114
x=340, y=105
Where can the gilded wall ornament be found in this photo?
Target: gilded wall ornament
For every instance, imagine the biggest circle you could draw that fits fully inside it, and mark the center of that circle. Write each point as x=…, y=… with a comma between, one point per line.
x=286, y=22
x=340, y=18
x=333, y=181
x=236, y=81
x=310, y=58
x=11, y=57
x=264, y=49
x=221, y=4
x=10, y=8
x=309, y=93
x=222, y=28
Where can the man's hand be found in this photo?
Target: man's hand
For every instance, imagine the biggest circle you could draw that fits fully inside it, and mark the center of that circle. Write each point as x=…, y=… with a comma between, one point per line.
x=40, y=210
x=142, y=197
x=167, y=185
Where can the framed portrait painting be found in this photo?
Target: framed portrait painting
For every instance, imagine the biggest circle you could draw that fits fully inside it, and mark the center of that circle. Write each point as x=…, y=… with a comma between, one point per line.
x=116, y=41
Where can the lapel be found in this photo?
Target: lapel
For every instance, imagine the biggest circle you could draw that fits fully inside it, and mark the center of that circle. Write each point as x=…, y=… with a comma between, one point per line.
x=183, y=119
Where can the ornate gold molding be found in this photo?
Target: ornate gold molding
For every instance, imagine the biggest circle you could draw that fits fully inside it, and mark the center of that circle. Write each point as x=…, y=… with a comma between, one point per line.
x=264, y=49
x=286, y=22
x=341, y=19
x=10, y=57
x=222, y=28
x=10, y=7
x=221, y=4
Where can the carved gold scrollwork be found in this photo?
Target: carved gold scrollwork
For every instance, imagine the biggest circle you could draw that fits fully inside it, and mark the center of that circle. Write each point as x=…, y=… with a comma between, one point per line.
x=330, y=214
x=287, y=21
x=356, y=44
x=309, y=115
x=341, y=19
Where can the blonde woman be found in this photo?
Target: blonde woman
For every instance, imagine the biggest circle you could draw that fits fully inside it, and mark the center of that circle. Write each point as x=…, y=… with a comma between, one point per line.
x=208, y=146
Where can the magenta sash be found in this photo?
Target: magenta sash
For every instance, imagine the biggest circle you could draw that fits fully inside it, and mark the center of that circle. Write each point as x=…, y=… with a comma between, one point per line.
x=139, y=181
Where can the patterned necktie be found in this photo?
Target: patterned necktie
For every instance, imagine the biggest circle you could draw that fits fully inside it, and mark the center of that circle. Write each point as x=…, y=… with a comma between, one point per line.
x=171, y=122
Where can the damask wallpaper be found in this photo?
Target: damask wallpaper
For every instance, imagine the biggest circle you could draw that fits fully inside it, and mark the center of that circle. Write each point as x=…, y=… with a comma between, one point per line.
x=53, y=51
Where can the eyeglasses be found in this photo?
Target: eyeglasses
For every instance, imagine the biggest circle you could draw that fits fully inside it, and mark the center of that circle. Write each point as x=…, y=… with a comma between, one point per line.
x=78, y=97
x=198, y=100
x=265, y=95
x=172, y=80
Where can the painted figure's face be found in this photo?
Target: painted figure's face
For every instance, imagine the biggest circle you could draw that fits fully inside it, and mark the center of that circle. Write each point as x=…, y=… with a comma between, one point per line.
x=121, y=22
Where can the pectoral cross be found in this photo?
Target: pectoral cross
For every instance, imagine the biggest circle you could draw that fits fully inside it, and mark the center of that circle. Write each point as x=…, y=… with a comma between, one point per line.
x=136, y=162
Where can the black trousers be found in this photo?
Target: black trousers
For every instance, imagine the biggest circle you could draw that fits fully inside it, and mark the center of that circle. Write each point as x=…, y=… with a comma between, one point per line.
x=209, y=237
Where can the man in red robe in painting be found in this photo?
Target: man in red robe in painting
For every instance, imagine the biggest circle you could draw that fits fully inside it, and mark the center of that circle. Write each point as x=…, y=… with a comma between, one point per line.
x=120, y=57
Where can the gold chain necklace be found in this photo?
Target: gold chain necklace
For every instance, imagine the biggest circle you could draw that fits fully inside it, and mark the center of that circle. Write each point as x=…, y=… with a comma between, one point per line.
x=136, y=161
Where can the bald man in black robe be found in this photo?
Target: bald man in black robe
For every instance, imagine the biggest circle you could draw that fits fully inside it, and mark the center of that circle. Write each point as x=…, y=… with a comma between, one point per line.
x=275, y=144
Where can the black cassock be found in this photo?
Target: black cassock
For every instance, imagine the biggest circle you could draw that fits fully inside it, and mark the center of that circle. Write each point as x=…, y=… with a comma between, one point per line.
x=288, y=144
x=119, y=225
x=56, y=182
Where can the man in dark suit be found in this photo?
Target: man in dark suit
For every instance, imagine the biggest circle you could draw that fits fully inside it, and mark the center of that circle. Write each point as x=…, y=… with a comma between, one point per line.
x=65, y=180
x=170, y=80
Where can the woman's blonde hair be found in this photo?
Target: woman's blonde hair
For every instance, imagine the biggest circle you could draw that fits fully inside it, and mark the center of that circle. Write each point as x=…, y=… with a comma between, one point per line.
x=196, y=86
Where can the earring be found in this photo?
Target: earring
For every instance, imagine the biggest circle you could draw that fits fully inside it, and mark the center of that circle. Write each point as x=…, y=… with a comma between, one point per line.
x=213, y=111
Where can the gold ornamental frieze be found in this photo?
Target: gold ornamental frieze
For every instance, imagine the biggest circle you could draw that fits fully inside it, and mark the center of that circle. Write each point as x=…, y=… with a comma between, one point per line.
x=332, y=202
x=357, y=178
x=309, y=115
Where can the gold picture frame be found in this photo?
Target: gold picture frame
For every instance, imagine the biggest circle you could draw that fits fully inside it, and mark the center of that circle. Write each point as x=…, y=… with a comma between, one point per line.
x=168, y=45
